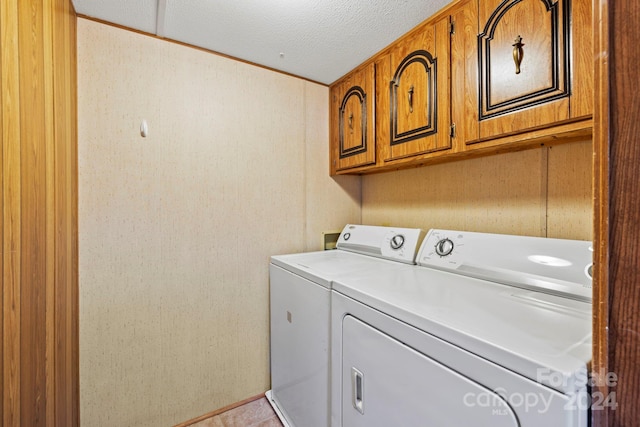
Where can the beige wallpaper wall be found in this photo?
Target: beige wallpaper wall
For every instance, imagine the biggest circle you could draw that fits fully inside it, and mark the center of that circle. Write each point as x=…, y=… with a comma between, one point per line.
x=541, y=192
x=176, y=229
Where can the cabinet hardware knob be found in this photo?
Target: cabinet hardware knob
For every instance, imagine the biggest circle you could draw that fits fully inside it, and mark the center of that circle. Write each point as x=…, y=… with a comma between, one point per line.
x=411, y=99
x=351, y=121
x=518, y=53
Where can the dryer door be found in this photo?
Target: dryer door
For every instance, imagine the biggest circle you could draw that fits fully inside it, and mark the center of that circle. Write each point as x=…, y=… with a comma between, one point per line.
x=386, y=383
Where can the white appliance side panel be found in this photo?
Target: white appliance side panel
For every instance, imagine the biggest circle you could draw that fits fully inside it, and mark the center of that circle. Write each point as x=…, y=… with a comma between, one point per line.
x=300, y=319
x=385, y=383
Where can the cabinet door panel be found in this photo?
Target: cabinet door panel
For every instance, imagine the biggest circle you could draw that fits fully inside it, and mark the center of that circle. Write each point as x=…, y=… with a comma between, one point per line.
x=523, y=65
x=413, y=99
x=414, y=89
x=352, y=116
x=353, y=122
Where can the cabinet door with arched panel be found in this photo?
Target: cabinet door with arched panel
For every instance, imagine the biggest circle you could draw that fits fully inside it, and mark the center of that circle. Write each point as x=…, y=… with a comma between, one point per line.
x=352, y=103
x=412, y=83
x=529, y=73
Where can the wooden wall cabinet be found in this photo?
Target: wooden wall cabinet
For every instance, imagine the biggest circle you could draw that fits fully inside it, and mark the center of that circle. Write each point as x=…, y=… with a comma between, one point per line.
x=527, y=69
x=480, y=77
x=352, y=112
x=403, y=96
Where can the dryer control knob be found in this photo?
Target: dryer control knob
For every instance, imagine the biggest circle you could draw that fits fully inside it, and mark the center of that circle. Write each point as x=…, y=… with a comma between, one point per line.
x=397, y=241
x=444, y=247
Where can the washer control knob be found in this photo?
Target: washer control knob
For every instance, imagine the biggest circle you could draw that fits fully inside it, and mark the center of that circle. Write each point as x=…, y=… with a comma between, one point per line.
x=397, y=241
x=444, y=247
x=346, y=236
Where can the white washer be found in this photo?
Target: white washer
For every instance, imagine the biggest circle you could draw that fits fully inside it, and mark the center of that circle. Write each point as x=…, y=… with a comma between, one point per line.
x=300, y=314
x=488, y=330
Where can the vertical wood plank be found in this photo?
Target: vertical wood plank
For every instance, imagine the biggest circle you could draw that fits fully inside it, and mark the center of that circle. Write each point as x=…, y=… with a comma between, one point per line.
x=50, y=355
x=66, y=303
x=624, y=212
x=581, y=103
x=464, y=71
x=1, y=234
x=10, y=211
x=334, y=132
x=601, y=204
x=33, y=211
x=383, y=129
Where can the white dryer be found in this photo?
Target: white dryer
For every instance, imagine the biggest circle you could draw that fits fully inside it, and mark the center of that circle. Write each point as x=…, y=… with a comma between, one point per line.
x=300, y=288
x=487, y=331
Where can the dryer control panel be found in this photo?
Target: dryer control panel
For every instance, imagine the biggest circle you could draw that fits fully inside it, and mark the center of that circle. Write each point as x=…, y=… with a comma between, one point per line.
x=556, y=266
x=442, y=248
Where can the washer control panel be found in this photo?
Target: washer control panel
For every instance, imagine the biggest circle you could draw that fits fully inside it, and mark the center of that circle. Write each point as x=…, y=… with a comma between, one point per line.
x=397, y=241
x=397, y=244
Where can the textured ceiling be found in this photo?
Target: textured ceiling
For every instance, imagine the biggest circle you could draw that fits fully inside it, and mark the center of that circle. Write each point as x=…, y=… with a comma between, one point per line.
x=320, y=40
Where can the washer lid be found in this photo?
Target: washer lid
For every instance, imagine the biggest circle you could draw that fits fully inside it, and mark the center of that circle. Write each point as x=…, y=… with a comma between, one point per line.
x=543, y=337
x=361, y=248
x=322, y=267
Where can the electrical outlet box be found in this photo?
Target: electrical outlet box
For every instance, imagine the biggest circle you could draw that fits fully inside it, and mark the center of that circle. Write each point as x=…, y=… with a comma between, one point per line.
x=330, y=239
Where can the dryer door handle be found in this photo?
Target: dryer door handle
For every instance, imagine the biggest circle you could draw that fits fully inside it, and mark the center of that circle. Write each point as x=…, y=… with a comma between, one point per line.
x=357, y=390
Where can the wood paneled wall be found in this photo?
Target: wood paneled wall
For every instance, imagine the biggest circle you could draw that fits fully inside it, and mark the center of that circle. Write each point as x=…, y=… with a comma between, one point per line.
x=39, y=321
x=617, y=212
